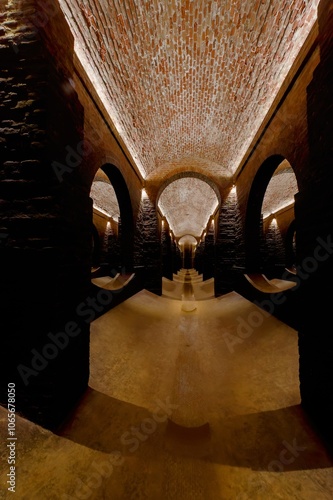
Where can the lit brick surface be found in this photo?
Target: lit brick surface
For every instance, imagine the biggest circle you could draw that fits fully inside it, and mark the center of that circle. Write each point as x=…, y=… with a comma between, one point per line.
x=188, y=204
x=187, y=80
x=281, y=189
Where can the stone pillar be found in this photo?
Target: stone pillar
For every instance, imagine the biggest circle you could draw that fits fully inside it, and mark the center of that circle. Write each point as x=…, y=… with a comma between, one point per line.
x=275, y=248
x=177, y=259
x=147, y=246
x=314, y=249
x=209, y=253
x=199, y=257
x=46, y=218
x=229, y=251
x=167, y=252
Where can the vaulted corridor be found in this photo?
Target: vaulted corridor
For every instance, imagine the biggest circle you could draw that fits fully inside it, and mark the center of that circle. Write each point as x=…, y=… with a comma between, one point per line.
x=182, y=405
x=166, y=249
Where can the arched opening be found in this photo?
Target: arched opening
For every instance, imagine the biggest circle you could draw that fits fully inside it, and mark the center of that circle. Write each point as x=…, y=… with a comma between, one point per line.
x=270, y=211
x=187, y=245
x=113, y=218
x=188, y=204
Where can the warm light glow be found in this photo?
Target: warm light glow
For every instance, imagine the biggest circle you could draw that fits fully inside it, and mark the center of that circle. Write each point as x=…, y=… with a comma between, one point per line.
x=143, y=194
x=233, y=189
x=279, y=209
x=101, y=211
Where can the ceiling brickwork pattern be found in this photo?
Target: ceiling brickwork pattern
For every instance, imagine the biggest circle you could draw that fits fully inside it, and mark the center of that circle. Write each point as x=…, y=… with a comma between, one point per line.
x=281, y=190
x=188, y=204
x=188, y=80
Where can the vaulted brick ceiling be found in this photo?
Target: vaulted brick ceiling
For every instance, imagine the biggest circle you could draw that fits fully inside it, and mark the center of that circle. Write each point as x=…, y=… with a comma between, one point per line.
x=187, y=83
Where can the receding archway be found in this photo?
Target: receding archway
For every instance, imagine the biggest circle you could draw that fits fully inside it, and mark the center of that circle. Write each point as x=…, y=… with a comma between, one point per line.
x=272, y=193
x=188, y=202
x=114, y=194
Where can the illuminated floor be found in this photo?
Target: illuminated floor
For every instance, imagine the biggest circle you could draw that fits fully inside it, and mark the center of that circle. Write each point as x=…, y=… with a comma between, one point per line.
x=182, y=406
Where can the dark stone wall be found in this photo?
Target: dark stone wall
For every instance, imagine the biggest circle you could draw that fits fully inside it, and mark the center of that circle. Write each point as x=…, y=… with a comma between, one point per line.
x=167, y=252
x=314, y=226
x=199, y=257
x=229, y=249
x=208, y=263
x=45, y=247
x=147, y=247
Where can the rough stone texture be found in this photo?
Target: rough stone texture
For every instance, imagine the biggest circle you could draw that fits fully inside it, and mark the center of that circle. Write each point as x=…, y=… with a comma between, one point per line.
x=46, y=248
x=228, y=247
x=147, y=246
x=167, y=251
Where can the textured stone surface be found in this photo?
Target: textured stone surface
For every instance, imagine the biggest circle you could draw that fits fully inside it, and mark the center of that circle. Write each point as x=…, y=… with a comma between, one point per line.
x=314, y=216
x=45, y=262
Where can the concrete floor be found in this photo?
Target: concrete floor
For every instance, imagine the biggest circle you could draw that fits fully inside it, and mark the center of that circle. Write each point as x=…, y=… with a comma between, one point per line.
x=181, y=406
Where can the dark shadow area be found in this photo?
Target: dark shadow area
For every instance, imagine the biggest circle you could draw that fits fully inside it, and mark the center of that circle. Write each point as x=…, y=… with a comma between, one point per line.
x=106, y=424
x=274, y=441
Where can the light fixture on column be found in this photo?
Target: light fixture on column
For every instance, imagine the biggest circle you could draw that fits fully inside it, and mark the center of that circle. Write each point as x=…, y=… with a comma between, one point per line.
x=143, y=194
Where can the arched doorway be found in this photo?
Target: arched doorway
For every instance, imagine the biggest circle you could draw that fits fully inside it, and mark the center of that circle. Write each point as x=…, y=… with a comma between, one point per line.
x=270, y=211
x=114, y=217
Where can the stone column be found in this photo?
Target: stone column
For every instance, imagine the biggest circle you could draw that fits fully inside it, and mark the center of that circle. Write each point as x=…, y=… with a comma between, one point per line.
x=148, y=253
x=209, y=254
x=229, y=248
x=46, y=218
x=167, y=252
x=314, y=233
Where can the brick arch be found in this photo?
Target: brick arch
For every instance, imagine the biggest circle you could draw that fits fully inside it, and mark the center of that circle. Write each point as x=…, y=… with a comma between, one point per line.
x=126, y=213
x=253, y=211
x=189, y=173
